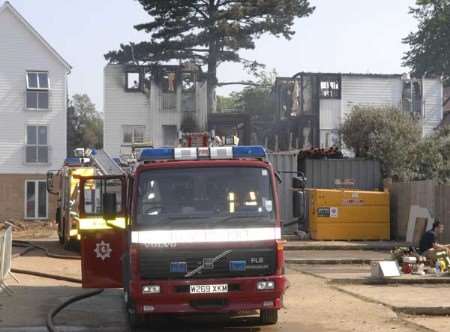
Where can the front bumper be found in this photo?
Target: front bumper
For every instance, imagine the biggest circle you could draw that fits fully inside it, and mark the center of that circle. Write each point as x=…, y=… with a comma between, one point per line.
x=176, y=298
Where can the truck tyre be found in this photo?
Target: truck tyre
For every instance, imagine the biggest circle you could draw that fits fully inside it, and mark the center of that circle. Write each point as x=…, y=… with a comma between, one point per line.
x=60, y=234
x=72, y=245
x=268, y=316
x=134, y=320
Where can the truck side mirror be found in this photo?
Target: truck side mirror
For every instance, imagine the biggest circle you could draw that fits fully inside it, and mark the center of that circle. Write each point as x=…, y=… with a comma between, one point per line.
x=109, y=201
x=298, y=182
x=51, y=183
x=299, y=204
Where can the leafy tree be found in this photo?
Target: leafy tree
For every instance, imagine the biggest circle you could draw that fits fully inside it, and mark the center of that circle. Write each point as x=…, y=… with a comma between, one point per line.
x=384, y=134
x=84, y=124
x=225, y=103
x=257, y=100
x=432, y=157
x=209, y=32
x=430, y=44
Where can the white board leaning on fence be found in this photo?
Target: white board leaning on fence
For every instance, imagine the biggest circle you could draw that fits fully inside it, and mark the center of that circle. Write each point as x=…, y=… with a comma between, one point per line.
x=416, y=212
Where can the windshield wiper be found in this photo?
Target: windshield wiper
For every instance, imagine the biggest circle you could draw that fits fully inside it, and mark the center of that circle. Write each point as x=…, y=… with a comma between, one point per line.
x=179, y=217
x=243, y=216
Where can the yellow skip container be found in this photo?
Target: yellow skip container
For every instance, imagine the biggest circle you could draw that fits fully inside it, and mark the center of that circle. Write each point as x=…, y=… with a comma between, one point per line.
x=349, y=215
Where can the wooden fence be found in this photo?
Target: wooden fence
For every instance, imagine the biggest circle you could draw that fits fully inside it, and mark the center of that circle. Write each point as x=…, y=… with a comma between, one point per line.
x=427, y=194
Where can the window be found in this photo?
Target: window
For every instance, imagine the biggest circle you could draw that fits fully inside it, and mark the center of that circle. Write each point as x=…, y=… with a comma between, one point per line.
x=94, y=191
x=170, y=135
x=169, y=82
x=133, y=82
x=37, y=90
x=215, y=197
x=36, y=150
x=330, y=88
x=36, y=202
x=133, y=134
x=188, y=83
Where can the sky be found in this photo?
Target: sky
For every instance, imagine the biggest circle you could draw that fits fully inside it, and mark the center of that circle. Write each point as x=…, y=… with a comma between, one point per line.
x=360, y=36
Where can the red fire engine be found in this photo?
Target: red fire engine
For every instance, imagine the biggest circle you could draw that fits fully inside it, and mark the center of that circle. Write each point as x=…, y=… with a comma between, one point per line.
x=200, y=233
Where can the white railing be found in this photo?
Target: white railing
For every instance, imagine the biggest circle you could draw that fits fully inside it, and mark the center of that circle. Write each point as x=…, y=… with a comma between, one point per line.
x=5, y=259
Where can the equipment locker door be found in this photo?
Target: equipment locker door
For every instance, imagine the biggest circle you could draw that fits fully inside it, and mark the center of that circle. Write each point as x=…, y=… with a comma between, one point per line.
x=103, y=230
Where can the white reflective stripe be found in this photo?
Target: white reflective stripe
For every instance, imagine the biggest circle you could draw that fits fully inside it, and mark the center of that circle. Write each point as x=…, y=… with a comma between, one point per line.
x=206, y=235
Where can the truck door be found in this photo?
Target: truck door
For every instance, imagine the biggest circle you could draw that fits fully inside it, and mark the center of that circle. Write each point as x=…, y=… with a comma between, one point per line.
x=103, y=228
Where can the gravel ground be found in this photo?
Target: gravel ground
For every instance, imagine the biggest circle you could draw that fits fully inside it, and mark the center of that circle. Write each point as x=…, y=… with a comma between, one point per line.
x=311, y=305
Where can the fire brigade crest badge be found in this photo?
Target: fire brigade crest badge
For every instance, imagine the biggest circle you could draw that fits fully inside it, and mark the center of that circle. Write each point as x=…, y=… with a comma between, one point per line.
x=103, y=250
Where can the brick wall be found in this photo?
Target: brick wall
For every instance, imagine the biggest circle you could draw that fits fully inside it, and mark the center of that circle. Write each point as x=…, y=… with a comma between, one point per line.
x=12, y=196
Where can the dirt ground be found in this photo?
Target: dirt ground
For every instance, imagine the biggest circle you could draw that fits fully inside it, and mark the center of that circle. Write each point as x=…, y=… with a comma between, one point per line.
x=311, y=304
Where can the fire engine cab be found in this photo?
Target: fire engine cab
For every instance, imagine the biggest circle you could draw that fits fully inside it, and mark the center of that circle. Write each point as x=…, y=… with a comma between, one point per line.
x=186, y=230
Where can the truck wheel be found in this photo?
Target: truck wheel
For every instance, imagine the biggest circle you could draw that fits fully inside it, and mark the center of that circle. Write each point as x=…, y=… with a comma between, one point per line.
x=60, y=235
x=268, y=316
x=134, y=320
x=61, y=231
x=72, y=245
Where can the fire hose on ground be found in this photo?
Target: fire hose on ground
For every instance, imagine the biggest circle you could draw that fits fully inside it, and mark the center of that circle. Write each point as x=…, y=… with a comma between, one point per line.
x=52, y=314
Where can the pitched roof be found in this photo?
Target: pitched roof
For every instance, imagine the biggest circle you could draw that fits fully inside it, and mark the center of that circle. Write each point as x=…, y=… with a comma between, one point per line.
x=7, y=6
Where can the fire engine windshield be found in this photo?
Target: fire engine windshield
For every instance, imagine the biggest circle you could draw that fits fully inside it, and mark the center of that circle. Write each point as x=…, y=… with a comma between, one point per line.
x=205, y=197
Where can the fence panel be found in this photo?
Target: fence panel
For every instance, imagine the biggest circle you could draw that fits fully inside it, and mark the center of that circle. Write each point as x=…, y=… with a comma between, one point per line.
x=426, y=194
x=443, y=209
x=2, y=257
x=286, y=164
x=405, y=194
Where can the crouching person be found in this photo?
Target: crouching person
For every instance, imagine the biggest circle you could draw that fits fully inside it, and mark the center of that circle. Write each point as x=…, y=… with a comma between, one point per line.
x=429, y=245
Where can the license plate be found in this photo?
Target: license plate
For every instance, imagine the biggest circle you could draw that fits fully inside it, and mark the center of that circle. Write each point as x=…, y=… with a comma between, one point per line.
x=208, y=289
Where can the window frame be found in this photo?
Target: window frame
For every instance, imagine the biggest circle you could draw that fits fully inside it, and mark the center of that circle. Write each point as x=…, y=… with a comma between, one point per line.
x=37, y=72
x=133, y=134
x=140, y=77
x=37, y=145
x=36, y=200
x=81, y=203
x=329, y=79
x=165, y=81
x=38, y=90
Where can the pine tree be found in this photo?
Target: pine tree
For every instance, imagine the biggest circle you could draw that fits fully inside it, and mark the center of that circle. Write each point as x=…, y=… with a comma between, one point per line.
x=209, y=32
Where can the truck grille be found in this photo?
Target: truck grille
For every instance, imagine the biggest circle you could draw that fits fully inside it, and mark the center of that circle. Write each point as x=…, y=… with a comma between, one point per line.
x=156, y=264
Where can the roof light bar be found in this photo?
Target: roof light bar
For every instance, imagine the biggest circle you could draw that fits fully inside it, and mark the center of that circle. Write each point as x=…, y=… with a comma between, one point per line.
x=215, y=153
x=156, y=154
x=256, y=151
x=221, y=152
x=185, y=153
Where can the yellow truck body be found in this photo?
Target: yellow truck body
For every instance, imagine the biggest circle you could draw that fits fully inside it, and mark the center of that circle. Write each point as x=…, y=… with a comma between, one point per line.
x=349, y=215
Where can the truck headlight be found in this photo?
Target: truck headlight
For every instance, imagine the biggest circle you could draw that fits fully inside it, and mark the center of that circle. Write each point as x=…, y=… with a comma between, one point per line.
x=265, y=285
x=151, y=289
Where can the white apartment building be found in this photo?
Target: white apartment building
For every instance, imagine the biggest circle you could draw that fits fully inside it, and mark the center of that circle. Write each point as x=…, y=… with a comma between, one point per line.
x=33, y=107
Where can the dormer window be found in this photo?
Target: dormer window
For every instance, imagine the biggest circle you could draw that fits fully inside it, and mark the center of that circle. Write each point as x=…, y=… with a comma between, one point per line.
x=38, y=85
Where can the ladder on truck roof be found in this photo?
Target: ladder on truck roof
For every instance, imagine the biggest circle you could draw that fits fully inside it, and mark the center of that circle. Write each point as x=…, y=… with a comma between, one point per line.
x=105, y=163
